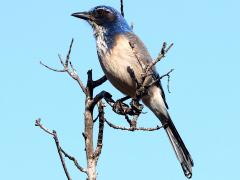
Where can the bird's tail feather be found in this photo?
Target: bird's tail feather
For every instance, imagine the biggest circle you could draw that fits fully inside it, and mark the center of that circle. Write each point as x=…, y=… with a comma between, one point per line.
x=155, y=101
x=180, y=149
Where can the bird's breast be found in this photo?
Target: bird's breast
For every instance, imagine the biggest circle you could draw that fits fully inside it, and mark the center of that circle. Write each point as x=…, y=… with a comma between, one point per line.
x=116, y=61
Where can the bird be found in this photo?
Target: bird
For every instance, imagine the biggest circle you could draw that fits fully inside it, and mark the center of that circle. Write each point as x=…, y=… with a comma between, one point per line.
x=113, y=38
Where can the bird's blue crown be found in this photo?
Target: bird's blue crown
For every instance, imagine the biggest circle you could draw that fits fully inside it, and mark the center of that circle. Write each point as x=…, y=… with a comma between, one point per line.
x=118, y=25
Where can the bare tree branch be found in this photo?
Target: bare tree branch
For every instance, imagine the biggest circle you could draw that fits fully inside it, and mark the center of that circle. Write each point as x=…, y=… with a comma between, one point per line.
x=60, y=155
x=96, y=118
x=100, y=96
x=71, y=72
x=168, y=75
x=60, y=150
x=68, y=54
x=55, y=137
x=38, y=123
x=80, y=168
x=122, y=8
x=161, y=55
x=100, y=130
x=132, y=128
x=99, y=81
x=52, y=69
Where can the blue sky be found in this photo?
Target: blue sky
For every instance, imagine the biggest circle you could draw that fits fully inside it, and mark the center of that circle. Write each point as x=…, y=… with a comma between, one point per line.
x=204, y=102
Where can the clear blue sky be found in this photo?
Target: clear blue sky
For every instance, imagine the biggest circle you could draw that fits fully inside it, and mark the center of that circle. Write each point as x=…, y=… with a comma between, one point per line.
x=204, y=102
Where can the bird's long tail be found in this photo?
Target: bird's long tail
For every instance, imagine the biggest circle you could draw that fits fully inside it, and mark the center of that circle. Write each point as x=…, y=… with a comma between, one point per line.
x=157, y=105
x=180, y=149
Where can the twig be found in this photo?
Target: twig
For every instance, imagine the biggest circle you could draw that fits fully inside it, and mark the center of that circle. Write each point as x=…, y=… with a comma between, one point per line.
x=168, y=75
x=124, y=98
x=100, y=131
x=80, y=168
x=60, y=155
x=69, y=52
x=60, y=150
x=95, y=119
x=38, y=123
x=164, y=50
x=132, y=128
x=71, y=72
x=122, y=8
x=52, y=69
x=100, y=96
x=55, y=137
x=99, y=81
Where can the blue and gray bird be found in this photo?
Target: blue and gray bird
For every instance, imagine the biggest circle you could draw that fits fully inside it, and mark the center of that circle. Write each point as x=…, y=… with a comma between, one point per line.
x=113, y=37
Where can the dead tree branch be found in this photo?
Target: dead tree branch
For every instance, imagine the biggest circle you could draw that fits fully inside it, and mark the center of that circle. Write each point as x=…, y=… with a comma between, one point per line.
x=132, y=128
x=70, y=70
x=91, y=154
x=161, y=55
x=80, y=168
x=100, y=130
x=122, y=8
x=168, y=76
x=61, y=152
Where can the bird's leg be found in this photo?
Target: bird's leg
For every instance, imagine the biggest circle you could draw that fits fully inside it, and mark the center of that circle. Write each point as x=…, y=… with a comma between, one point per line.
x=118, y=106
x=136, y=106
x=121, y=107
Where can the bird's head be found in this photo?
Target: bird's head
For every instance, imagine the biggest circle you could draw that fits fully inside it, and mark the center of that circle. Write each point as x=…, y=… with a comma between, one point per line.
x=104, y=18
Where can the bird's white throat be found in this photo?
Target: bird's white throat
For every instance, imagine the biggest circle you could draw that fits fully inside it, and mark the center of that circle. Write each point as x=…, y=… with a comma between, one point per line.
x=103, y=41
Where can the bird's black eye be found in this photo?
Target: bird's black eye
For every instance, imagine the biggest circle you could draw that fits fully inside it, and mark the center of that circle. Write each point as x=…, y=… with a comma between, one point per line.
x=100, y=13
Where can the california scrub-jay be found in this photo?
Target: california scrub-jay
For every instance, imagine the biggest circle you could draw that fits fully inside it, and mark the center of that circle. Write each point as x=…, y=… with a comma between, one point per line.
x=113, y=36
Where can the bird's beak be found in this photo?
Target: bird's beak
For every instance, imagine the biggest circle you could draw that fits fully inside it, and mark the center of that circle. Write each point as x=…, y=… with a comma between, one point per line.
x=82, y=15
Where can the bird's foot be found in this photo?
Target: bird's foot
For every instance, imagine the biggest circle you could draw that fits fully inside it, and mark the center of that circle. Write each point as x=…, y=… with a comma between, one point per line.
x=120, y=108
x=136, y=106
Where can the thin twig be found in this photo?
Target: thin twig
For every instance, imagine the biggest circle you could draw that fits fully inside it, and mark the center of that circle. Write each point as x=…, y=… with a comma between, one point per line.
x=132, y=128
x=95, y=119
x=168, y=75
x=99, y=81
x=71, y=72
x=122, y=8
x=38, y=123
x=60, y=155
x=164, y=50
x=100, y=131
x=124, y=98
x=52, y=69
x=55, y=137
x=100, y=96
x=80, y=168
x=69, y=52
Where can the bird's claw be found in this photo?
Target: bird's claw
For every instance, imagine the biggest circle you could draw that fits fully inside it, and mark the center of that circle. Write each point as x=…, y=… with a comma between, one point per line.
x=136, y=106
x=120, y=108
